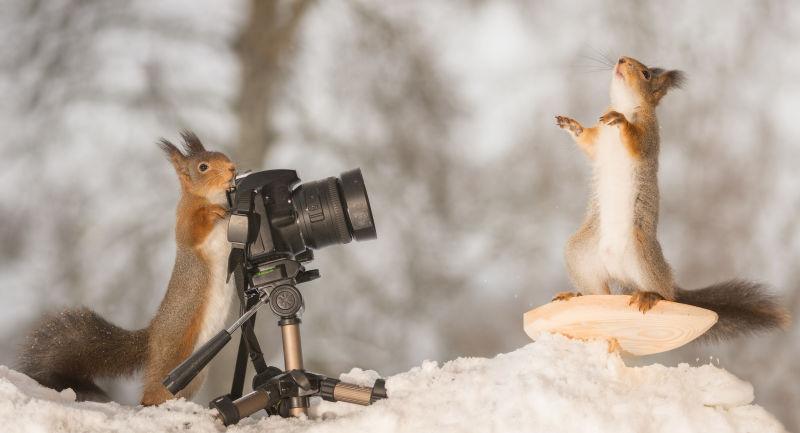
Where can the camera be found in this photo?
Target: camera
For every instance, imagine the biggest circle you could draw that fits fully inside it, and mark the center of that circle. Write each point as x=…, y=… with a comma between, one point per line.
x=271, y=218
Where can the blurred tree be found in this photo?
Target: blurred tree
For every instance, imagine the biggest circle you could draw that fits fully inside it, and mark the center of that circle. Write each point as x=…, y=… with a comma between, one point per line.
x=263, y=48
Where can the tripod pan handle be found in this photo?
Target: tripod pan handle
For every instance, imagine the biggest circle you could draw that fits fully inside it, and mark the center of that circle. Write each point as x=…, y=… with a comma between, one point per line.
x=335, y=390
x=178, y=378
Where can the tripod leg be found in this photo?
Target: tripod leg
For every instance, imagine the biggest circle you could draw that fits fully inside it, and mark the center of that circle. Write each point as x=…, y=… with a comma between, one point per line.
x=240, y=369
x=335, y=390
x=293, y=358
x=248, y=344
x=256, y=355
x=230, y=411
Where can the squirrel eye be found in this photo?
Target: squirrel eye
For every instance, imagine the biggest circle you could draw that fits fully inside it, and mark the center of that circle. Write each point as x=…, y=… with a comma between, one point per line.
x=646, y=74
x=202, y=167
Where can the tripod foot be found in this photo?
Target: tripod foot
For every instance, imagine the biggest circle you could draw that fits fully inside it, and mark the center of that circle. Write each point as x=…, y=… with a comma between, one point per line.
x=378, y=391
x=227, y=412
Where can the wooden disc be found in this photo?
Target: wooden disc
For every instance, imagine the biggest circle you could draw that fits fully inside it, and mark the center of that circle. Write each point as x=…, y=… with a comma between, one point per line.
x=666, y=326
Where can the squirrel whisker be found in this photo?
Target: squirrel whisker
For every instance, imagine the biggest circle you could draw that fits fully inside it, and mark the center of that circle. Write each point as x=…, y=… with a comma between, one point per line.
x=599, y=59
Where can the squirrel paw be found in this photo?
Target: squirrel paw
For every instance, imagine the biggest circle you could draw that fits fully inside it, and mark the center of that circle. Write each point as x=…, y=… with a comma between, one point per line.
x=219, y=211
x=645, y=300
x=153, y=396
x=612, y=118
x=565, y=296
x=569, y=124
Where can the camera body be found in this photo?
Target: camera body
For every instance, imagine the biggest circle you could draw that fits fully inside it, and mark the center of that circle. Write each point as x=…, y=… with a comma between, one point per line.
x=272, y=221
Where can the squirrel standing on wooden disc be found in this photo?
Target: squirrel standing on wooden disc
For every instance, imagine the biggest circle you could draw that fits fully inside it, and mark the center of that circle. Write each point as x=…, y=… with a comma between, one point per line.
x=617, y=241
x=71, y=348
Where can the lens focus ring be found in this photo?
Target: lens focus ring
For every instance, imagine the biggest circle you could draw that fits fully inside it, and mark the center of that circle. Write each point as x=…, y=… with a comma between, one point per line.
x=338, y=213
x=333, y=211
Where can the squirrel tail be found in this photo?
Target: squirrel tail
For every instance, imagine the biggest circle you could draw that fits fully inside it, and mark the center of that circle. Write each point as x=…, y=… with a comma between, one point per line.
x=744, y=308
x=70, y=348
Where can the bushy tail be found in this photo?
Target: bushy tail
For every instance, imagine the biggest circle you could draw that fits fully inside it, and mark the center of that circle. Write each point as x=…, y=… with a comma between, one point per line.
x=70, y=348
x=743, y=307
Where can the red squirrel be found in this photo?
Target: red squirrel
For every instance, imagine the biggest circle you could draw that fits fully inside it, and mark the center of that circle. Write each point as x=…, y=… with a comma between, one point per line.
x=71, y=348
x=617, y=241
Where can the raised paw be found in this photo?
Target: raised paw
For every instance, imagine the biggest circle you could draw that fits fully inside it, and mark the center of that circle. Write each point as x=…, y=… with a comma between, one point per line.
x=612, y=118
x=645, y=300
x=565, y=296
x=569, y=124
x=219, y=211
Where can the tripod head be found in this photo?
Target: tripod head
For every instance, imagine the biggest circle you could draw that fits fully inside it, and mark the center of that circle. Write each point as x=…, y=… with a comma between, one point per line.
x=278, y=279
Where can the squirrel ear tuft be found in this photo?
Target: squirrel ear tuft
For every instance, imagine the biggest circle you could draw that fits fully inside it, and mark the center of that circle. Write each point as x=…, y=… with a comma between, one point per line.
x=174, y=155
x=191, y=143
x=664, y=81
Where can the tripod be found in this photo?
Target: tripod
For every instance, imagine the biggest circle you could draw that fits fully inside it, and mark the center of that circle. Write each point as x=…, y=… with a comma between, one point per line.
x=282, y=392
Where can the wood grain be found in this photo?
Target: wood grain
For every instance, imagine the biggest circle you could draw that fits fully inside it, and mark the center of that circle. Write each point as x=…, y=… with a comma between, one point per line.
x=665, y=327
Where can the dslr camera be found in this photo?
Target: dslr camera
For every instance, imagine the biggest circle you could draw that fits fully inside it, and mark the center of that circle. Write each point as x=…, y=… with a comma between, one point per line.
x=271, y=219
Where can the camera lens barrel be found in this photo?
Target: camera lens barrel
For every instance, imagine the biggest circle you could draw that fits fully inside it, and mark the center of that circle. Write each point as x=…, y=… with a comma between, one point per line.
x=334, y=211
x=320, y=213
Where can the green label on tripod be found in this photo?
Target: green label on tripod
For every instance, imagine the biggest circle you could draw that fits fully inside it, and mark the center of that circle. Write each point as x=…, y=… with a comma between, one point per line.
x=264, y=272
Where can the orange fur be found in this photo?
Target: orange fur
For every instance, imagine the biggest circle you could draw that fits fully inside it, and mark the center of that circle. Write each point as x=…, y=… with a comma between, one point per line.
x=154, y=395
x=586, y=141
x=630, y=134
x=199, y=219
x=584, y=137
x=631, y=139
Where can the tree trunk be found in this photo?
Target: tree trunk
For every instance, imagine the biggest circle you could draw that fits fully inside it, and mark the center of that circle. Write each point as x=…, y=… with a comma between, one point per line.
x=268, y=35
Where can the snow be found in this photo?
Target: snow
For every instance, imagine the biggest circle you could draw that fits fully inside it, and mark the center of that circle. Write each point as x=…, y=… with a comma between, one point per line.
x=551, y=385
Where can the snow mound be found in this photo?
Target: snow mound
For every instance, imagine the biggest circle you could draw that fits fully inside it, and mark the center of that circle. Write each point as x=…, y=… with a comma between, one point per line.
x=552, y=385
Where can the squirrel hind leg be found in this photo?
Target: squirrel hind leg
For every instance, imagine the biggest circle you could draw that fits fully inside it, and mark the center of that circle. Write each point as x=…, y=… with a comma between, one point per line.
x=586, y=272
x=155, y=394
x=656, y=285
x=652, y=273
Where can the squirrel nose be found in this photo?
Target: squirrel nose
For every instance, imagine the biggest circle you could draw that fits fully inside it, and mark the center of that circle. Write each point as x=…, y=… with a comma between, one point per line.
x=621, y=60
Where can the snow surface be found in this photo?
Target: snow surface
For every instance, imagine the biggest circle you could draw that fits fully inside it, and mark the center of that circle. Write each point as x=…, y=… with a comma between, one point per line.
x=552, y=385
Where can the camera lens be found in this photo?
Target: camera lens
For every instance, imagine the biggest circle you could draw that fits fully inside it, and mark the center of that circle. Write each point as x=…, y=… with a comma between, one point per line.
x=334, y=211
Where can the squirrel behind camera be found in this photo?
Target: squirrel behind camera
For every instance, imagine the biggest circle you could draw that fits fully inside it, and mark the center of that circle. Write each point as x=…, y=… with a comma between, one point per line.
x=617, y=241
x=71, y=348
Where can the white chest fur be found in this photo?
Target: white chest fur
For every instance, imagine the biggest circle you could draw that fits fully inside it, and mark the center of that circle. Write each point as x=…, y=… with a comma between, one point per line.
x=216, y=248
x=615, y=189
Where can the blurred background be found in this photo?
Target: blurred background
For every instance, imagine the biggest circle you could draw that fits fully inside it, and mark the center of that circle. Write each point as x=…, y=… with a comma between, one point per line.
x=448, y=109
